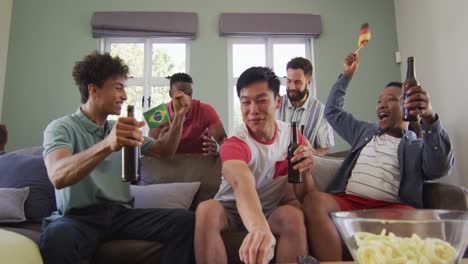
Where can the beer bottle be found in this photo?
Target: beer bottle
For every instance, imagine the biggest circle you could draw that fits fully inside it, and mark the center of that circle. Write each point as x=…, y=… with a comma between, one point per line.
x=302, y=129
x=130, y=158
x=408, y=83
x=294, y=176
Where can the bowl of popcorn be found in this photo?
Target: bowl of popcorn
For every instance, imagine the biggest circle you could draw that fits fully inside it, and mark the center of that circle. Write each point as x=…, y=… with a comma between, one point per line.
x=404, y=235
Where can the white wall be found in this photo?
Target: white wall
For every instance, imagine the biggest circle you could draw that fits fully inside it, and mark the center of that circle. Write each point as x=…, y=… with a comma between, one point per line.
x=436, y=33
x=5, y=18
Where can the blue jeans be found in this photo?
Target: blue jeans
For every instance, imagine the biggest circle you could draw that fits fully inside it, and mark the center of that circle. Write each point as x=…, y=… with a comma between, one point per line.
x=77, y=235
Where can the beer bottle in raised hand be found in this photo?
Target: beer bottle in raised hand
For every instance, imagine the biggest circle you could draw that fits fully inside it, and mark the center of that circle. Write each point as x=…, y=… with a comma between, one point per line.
x=408, y=83
x=130, y=158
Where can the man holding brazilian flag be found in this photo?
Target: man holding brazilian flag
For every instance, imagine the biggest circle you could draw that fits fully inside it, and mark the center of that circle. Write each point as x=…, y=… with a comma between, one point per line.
x=157, y=116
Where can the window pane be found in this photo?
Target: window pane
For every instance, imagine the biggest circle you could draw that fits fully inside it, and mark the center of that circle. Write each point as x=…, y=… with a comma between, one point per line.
x=159, y=95
x=132, y=54
x=283, y=53
x=134, y=96
x=245, y=56
x=168, y=58
x=282, y=90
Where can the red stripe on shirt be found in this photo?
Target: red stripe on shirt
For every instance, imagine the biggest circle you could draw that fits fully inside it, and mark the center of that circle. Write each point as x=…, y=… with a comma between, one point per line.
x=234, y=148
x=281, y=168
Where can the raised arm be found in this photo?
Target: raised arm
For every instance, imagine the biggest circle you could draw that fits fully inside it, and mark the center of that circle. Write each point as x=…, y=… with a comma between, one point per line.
x=167, y=142
x=438, y=157
x=344, y=123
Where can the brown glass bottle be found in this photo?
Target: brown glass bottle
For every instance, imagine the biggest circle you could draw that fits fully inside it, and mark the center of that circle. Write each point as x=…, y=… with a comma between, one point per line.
x=409, y=82
x=294, y=176
x=130, y=158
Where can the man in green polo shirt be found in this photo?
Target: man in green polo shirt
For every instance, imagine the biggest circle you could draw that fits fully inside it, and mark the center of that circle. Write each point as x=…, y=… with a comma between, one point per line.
x=82, y=153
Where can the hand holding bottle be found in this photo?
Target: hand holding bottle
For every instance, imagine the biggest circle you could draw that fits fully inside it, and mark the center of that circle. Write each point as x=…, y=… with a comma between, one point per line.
x=418, y=103
x=126, y=132
x=304, y=153
x=299, y=157
x=131, y=153
x=210, y=146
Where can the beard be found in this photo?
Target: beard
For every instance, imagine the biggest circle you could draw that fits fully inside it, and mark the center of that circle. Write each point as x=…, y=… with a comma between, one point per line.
x=299, y=96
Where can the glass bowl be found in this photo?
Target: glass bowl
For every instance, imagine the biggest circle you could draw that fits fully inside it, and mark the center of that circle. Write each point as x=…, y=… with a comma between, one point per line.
x=404, y=235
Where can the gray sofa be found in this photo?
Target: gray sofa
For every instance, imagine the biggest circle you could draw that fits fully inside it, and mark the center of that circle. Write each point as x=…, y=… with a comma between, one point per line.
x=207, y=171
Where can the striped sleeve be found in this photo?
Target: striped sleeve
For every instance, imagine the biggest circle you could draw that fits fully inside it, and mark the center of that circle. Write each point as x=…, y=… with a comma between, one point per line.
x=324, y=137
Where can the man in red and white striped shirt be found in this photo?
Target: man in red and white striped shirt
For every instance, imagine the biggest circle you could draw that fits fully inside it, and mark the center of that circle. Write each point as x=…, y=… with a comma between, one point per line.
x=254, y=194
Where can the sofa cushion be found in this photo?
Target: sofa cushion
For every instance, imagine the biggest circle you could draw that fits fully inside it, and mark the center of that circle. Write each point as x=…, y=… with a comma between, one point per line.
x=165, y=195
x=32, y=151
x=324, y=170
x=18, y=171
x=12, y=204
x=184, y=168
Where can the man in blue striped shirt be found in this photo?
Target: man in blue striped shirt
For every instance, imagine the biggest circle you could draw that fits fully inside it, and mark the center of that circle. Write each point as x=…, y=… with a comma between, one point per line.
x=299, y=106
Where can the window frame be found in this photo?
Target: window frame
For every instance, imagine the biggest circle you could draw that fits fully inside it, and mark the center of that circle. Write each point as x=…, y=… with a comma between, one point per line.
x=147, y=81
x=269, y=62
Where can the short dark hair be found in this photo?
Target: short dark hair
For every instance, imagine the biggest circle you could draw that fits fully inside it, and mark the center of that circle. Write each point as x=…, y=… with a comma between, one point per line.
x=258, y=74
x=300, y=63
x=397, y=84
x=95, y=69
x=3, y=136
x=180, y=77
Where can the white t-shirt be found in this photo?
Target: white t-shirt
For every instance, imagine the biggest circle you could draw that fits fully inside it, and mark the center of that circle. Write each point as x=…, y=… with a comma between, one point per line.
x=267, y=161
x=376, y=174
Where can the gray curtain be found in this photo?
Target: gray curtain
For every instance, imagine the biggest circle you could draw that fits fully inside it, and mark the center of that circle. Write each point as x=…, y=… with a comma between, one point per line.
x=144, y=24
x=248, y=24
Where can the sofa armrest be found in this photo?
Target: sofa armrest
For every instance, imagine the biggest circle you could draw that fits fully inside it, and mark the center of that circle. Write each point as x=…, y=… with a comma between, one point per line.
x=438, y=195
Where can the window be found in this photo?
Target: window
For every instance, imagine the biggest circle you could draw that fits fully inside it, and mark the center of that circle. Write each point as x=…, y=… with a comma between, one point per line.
x=150, y=61
x=271, y=52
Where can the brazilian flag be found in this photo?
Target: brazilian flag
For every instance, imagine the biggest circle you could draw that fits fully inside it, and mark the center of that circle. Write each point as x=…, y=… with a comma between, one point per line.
x=157, y=116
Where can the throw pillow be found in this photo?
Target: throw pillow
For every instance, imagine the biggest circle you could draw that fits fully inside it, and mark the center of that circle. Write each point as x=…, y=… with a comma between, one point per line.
x=12, y=204
x=18, y=171
x=166, y=195
x=324, y=170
